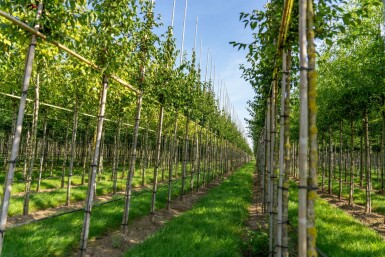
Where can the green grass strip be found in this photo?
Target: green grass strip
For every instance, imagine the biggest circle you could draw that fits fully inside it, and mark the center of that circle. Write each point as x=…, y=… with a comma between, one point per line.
x=212, y=228
x=60, y=236
x=339, y=234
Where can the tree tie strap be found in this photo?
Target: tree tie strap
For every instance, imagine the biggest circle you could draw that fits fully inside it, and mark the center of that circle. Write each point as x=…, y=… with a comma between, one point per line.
x=306, y=68
x=87, y=211
x=284, y=188
x=13, y=162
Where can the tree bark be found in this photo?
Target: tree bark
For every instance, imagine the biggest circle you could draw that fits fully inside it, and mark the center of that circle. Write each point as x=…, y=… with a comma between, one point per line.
x=157, y=159
x=72, y=152
x=94, y=167
x=128, y=194
x=31, y=165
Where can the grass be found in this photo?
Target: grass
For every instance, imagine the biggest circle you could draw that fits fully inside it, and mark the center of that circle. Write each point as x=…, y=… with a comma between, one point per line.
x=57, y=197
x=359, y=195
x=212, y=228
x=60, y=236
x=339, y=234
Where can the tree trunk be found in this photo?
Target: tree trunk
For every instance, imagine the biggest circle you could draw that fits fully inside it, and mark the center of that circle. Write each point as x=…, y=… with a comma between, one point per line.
x=157, y=158
x=64, y=165
x=172, y=158
x=340, y=166
x=72, y=152
x=351, y=183
x=368, y=206
x=303, y=134
x=285, y=184
x=116, y=160
x=42, y=153
x=278, y=244
x=185, y=157
x=17, y=136
x=94, y=167
x=85, y=156
x=33, y=148
x=128, y=194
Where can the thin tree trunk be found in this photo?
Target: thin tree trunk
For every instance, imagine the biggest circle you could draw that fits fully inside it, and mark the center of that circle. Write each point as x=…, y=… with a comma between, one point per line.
x=33, y=149
x=19, y=125
x=85, y=157
x=185, y=156
x=146, y=153
x=128, y=194
x=94, y=167
x=313, y=140
x=172, y=158
x=340, y=166
x=383, y=144
x=303, y=134
x=116, y=160
x=351, y=186
x=278, y=244
x=368, y=206
x=330, y=189
x=64, y=165
x=72, y=152
x=42, y=153
x=157, y=157
x=285, y=184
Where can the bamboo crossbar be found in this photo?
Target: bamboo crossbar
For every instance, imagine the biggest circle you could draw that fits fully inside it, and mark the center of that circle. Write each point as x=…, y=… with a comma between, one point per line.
x=66, y=49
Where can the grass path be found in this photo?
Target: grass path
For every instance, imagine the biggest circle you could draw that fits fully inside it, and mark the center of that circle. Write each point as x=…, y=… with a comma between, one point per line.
x=60, y=236
x=339, y=234
x=212, y=228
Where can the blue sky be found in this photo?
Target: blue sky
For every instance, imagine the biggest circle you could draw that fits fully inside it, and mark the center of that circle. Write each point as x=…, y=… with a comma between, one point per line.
x=218, y=24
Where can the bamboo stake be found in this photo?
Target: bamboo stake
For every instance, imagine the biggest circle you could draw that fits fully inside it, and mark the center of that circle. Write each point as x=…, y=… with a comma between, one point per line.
x=94, y=167
x=172, y=158
x=19, y=125
x=33, y=147
x=281, y=158
x=312, y=127
x=303, y=134
x=116, y=160
x=72, y=152
x=42, y=153
x=156, y=160
x=285, y=184
x=128, y=194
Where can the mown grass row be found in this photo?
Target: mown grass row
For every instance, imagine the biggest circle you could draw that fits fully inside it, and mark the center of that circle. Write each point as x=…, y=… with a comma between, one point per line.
x=359, y=195
x=57, y=197
x=60, y=236
x=212, y=228
x=339, y=234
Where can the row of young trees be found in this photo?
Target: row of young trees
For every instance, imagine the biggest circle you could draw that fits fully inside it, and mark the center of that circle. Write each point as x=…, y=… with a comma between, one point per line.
x=162, y=102
x=348, y=83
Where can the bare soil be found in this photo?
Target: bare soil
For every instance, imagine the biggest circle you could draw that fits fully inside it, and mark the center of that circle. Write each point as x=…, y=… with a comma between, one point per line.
x=257, y=220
